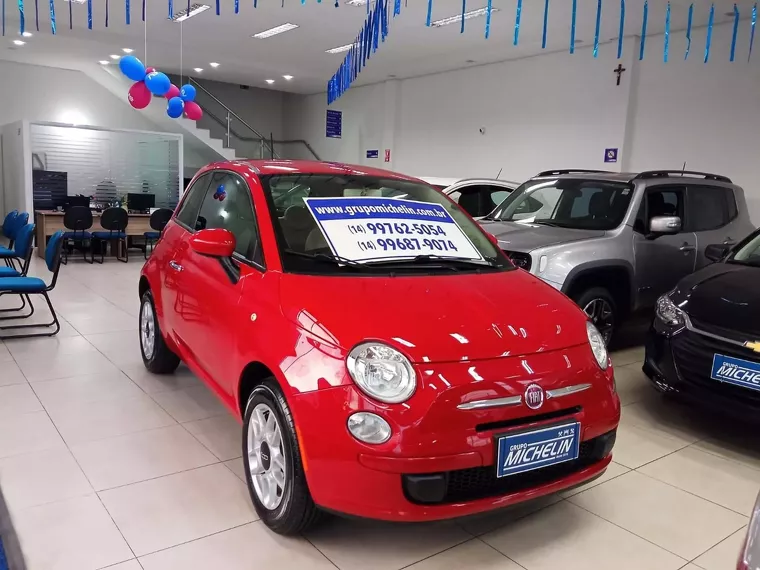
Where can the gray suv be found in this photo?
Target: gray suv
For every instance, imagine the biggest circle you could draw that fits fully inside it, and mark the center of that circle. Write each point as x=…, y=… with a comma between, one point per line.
x=615, y=242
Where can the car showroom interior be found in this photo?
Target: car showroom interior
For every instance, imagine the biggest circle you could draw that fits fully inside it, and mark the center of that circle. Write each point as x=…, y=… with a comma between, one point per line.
x=379, y=285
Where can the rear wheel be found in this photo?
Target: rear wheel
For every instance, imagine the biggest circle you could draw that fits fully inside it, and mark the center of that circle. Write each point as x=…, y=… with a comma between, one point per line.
x=156, y=355
x=599, y=304
x=273, y=468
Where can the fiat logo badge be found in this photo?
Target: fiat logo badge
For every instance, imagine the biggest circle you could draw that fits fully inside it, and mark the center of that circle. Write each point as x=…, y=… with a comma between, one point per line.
x=534, y=396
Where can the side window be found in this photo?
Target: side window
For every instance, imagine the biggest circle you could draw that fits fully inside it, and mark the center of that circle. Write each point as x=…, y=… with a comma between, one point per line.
x=468, y=200
x=492, y=197
x=227, y=205
x=188, y=211
x=707, y=208
x=733, y=212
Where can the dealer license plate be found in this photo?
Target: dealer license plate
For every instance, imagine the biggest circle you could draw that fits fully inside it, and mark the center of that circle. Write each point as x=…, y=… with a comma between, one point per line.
x=736, y=371
x=535, y=449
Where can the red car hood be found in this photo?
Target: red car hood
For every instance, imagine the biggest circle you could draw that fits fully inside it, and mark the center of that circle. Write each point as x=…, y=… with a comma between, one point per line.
x=440, y=318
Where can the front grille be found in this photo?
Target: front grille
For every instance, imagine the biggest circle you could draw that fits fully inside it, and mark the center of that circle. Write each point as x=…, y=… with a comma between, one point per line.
x=503, y=424
x=733, y=334
x=520, y=259
x=481, y=482
x=693, y=356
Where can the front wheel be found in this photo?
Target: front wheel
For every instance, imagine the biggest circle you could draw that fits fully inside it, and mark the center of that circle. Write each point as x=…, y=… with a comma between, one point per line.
x=600, y=307
x=156, y=355
x=273, y=467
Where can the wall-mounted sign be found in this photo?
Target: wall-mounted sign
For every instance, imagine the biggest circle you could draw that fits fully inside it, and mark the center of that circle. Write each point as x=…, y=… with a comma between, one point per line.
x=334, y=124
x=387, y=155
x=610, y=155
x=373, y=154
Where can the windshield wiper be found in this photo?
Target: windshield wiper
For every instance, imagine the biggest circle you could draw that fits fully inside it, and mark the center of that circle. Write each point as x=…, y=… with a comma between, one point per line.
x=334, y=259
x=443, y=261
x=547, y=223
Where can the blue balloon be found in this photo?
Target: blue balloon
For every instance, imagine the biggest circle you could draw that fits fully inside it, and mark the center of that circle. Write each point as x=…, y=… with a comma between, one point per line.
x=132, y=67
x=158, y=83
x=187, y=92
x=174, y=107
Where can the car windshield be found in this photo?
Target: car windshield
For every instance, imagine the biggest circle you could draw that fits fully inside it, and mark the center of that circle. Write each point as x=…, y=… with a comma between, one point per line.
x=305, y=247
x=567, y=203
x=749, y=254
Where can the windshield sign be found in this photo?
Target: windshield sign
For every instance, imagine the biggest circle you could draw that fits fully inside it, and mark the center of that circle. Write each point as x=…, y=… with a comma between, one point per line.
x=366, y=229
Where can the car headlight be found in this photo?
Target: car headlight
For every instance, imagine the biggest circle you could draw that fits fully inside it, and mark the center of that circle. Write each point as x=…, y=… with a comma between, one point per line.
x=667, y=311
x=382, y=372
x=596, y=340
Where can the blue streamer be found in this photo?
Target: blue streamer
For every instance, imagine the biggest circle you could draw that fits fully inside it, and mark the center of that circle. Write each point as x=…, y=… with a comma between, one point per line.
x=429, y=12
x=255, y=3
x=128, y=12
x=708, y=41
x=752, y=32
x=106, y=13
x=21, y=16
x=36, y=16
x=621, y=33
x=171, y=9
x=396, y=8
x=546, y=24
x=736, y=31
x=464, y=9
x=237, y=6
x=3, y=16
x=644, y=30
x=384, y=20
x=143, y=10
x=572, y=26
x=488, y=18
x=53, y=27
x=666, y=47
x=688, y=31
x=89, y=14
x=218, y=8
x=598, y=27
x=518, y=17
x=71, y=17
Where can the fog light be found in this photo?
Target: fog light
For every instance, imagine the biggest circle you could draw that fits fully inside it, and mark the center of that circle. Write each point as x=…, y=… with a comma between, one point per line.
x=369, y=428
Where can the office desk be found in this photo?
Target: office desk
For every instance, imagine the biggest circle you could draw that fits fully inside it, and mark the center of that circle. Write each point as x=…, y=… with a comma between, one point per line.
x=48, y=222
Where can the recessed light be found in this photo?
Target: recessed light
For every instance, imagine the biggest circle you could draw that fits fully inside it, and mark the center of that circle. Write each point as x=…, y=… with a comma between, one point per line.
x=127, y=50
x=356, y=2
x=197, y=69
x=103, y=62
x=194, y=10
x=274, y=31
x=340, y=49
x=27, y=34
x=287, y=77
x=270, y=81
x=112, y=56
x=214, y=64
x=458, y=18
x=18, y=42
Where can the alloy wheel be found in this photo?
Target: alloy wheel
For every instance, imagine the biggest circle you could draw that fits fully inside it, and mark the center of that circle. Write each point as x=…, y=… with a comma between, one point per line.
x=601, y=314
x=147, y=329
x=266, y=460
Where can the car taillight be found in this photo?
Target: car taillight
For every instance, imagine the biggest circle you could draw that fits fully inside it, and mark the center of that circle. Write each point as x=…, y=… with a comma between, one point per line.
x=520, y=259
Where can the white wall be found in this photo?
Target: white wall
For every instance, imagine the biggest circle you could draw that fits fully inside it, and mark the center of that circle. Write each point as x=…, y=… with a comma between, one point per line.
x=557, y=111
x=16, y=187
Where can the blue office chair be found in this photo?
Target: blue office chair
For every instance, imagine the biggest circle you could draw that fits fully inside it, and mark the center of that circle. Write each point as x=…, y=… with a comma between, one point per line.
x=78, y=220
x=115, y=221
x=8, y=254
x=8, y=222
x=35, y=286
x=23, y=249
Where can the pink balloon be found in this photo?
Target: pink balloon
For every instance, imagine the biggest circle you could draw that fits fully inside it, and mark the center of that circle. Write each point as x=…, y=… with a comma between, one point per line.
x=193, y=111
x=173, y=92
x=149, y=70
x=139, y=95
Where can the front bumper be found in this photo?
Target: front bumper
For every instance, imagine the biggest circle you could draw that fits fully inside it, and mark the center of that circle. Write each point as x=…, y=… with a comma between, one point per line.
x=681, y=365
x=440, y=464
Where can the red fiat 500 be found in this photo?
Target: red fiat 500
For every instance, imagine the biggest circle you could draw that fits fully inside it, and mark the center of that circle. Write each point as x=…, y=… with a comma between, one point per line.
x=385, y=357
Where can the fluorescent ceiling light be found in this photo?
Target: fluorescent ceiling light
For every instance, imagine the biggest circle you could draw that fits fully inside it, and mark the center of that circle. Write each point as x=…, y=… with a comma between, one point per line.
x=287, y=77
x=112, y=56
x=27, y=34
x=270, y=81
x=76, y=1
x=458, y=18
x=340, y=49
x=195, y=9
x=197, y=69
x=103, y=62
x=18, y=42
x=214, y=64
x=274, y=31
x=356, y=2
x=127, y=50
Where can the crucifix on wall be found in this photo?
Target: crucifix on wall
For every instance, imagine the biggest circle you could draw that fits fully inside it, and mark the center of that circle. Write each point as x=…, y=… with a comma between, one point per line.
x=619, y=70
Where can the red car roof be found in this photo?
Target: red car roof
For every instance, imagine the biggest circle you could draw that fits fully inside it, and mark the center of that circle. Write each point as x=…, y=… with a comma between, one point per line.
x=278, y=166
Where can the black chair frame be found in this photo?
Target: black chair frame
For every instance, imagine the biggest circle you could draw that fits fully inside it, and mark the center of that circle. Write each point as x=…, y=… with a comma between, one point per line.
x=78, y=219
x=114, y=228
x=158, y=221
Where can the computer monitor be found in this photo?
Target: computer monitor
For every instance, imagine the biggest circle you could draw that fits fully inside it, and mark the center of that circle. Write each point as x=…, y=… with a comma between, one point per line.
x=141, y=202
x=72, y=201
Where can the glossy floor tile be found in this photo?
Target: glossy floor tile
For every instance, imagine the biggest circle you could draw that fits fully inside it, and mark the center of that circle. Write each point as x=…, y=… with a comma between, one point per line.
x=105, y=465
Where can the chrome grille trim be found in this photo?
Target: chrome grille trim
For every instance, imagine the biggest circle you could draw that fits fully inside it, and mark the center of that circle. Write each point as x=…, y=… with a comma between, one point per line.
x=495, y=403
x=566, y=391
x=694, y=329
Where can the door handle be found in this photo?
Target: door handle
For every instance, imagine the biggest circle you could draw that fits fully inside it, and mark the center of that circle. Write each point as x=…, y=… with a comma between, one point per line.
x=176, y=266
x=686, y=248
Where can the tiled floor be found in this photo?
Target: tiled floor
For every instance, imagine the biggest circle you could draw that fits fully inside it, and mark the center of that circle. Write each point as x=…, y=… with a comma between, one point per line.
x=105, y=465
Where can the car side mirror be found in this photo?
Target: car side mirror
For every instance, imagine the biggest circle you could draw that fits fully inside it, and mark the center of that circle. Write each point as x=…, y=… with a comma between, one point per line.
x=664, y=225
x=216, y=242
x=717, y=251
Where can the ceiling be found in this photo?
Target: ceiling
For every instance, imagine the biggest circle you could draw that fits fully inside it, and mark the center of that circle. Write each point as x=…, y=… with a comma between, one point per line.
x=411, y=48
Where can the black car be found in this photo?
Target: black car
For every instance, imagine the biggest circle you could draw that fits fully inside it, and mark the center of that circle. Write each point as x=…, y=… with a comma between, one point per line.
x=704, y=343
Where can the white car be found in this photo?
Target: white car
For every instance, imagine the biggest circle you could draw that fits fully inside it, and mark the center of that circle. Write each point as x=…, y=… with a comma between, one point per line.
x=477, y=196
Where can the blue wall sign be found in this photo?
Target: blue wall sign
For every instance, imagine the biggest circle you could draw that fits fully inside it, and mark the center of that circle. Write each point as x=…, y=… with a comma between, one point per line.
x=610, y=155
x=334, y=124
x=373, y=154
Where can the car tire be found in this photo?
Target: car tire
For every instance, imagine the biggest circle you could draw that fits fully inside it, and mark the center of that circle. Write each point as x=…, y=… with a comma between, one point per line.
x=157, y=356
x=599, y=304
x=287, y=509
